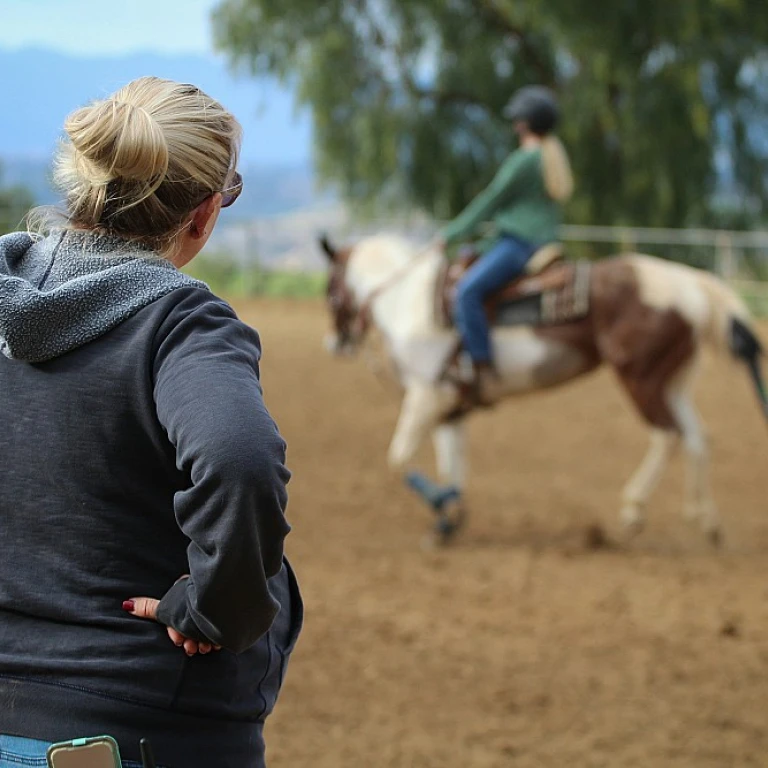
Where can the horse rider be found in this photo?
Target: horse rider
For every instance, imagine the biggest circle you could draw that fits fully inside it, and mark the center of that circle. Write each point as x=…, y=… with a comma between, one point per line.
x=524, y=203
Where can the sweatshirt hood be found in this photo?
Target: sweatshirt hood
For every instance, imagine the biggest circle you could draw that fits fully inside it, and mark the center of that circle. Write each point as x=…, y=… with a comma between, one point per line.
x=62, y=291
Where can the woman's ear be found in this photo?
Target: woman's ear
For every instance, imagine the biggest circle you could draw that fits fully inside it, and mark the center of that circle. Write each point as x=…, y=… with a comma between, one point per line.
x=205, y=216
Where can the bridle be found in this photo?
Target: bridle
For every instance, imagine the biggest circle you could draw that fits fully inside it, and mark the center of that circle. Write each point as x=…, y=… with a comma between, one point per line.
x=353, y=320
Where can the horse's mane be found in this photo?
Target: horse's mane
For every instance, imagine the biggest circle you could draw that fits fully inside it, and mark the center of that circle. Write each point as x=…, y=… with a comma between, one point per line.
x=386, y=249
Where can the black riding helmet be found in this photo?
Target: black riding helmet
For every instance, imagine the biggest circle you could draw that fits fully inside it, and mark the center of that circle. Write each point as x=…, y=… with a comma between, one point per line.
x=535, y=105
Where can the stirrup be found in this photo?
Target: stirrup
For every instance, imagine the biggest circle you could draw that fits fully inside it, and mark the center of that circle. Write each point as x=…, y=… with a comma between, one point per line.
x=472, y=390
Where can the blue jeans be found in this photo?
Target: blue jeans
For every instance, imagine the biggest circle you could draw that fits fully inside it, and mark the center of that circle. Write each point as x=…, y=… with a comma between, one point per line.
x=16, y=751
x=504, y=262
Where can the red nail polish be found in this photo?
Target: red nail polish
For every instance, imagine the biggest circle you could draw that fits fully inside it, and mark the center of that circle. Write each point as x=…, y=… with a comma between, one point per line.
x=128, y=605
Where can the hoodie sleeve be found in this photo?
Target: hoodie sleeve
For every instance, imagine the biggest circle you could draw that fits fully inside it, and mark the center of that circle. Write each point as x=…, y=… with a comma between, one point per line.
x=209, y=400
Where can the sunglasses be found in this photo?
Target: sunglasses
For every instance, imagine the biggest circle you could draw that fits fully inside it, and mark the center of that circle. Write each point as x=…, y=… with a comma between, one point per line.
x=230, y=194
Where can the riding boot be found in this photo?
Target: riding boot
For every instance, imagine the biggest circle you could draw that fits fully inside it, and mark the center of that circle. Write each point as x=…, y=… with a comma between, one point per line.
x=486, y=386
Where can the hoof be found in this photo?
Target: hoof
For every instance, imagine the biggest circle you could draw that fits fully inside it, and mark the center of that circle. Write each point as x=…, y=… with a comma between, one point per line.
x=595, y=538
x=633, y=530
x=440, y=537
x=715, y=538
x=444, y=532
x=446, y=529
x=445, y=502
x=632, y=521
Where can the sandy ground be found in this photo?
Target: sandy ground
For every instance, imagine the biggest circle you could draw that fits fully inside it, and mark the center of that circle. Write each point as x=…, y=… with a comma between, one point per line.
x=519, y=645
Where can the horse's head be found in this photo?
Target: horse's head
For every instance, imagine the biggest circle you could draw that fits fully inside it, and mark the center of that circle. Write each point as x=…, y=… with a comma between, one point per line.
x=374, y=270
x=345, y=314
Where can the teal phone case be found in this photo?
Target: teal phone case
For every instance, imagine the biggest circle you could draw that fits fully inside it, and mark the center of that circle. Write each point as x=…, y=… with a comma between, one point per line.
x=71, y=746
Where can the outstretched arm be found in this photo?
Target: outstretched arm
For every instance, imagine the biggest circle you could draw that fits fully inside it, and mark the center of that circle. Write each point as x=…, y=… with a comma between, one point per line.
x=503, y=187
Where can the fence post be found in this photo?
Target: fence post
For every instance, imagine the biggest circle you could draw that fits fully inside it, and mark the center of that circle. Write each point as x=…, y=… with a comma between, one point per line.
x=627, y=241
x=725, y=257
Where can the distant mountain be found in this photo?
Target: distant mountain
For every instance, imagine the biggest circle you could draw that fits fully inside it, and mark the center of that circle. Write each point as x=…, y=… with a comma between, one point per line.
x=30, y=173
x=267, y=189
x=40, y=87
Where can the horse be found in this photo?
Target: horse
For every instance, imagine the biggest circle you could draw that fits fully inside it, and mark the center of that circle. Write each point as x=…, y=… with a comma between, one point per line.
x=647, y=318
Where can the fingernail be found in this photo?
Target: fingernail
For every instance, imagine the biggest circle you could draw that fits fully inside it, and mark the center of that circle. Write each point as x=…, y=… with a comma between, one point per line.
x=128, y=605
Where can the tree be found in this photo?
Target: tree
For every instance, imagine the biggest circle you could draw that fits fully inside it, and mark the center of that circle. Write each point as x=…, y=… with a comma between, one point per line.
x=15, y=202
x=663, y=101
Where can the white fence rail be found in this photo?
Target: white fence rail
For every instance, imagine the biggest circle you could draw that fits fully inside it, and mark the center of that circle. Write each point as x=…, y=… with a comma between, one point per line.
x=727, y=247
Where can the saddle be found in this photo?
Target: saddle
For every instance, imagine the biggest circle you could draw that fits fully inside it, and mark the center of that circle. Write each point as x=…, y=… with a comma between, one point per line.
x=550, y=290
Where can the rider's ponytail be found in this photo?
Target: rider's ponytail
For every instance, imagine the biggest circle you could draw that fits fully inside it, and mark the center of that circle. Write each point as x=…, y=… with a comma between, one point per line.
x=558, y=177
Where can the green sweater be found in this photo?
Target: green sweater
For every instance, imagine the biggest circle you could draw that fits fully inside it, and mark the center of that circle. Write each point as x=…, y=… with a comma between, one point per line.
x=516, y=201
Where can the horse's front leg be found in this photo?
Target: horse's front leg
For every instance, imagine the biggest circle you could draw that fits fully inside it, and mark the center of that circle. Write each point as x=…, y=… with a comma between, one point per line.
x=423, y=407
x=450, y=443
x=423, y=410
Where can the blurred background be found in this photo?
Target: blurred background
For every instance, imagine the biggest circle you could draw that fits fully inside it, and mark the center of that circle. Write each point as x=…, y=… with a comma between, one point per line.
x=385, y=114
x=522, y=644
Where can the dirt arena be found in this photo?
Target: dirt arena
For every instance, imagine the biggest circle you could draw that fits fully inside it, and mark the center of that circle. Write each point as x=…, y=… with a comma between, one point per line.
x=520, y=645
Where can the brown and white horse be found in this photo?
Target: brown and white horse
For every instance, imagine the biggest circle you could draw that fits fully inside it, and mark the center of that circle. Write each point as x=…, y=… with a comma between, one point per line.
x=648, y=319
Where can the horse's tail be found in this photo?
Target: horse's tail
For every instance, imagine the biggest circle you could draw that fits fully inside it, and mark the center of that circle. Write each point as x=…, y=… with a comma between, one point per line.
x=746, y=346
x=730, y=328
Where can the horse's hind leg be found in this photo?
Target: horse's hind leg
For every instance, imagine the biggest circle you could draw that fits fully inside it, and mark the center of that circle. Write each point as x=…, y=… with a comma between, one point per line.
x=638, y=490
x=700, y=505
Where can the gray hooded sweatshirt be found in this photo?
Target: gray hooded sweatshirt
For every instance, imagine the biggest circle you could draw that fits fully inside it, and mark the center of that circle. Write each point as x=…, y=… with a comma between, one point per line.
x=136, y=448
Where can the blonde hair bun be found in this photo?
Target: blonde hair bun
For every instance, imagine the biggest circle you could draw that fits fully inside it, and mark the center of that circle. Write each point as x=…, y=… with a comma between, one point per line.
x=138, y=163
x=118, y=140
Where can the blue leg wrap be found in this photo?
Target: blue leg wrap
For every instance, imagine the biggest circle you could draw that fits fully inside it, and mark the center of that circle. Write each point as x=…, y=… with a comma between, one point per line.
x=437, y=496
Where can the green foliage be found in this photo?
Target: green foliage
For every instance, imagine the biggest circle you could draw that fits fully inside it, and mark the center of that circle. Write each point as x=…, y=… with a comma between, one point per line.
x=407, y=95
x=227, y=277
x=756, y=299
x=15, y=202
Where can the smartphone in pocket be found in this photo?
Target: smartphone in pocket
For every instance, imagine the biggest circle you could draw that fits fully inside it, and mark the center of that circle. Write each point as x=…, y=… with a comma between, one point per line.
x=95, y=752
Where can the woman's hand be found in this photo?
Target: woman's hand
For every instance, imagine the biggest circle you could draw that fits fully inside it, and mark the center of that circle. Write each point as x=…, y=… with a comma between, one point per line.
x=146, y=608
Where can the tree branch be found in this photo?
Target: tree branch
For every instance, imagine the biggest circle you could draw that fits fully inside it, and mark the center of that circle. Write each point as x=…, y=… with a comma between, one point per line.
x=497, y=18
x=444, y=97
x=385, y=44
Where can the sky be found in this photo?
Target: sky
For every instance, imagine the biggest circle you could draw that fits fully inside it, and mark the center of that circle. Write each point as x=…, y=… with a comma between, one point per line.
x=98, y=27
x=121, y=31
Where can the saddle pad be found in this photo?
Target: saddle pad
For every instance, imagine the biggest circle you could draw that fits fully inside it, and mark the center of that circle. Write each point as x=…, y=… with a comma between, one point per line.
x=562, y=303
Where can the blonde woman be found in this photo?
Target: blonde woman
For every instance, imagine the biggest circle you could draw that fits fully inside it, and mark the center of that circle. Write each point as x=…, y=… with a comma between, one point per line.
x=523, y=201
x=143, y=588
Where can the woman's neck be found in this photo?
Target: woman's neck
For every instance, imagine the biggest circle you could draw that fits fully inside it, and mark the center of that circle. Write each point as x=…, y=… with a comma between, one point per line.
x=530, y=141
